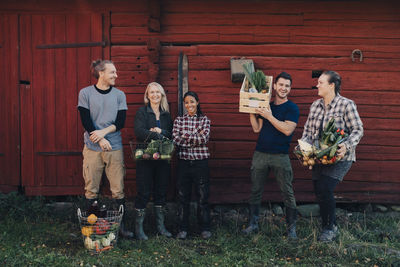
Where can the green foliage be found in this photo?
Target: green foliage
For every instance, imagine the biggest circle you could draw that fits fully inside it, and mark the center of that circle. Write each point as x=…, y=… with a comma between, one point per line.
x=47, y=240
x=257, y=78
x=15, y=205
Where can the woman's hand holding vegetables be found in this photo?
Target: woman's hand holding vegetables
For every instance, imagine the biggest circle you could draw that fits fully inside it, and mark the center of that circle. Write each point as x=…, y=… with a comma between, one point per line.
x=341, y=151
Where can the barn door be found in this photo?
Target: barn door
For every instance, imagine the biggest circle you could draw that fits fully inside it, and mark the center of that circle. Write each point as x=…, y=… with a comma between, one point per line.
x=56, y=51
x=9, y=104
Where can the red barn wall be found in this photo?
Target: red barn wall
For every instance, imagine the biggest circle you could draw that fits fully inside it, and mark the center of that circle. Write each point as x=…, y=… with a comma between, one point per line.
x=294, y=36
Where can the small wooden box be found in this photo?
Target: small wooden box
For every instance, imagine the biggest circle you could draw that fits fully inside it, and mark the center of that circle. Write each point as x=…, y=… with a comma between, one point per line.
x=250, y=101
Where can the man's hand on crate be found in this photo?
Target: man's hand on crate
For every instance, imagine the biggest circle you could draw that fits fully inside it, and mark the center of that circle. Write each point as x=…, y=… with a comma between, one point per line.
x=264, y=112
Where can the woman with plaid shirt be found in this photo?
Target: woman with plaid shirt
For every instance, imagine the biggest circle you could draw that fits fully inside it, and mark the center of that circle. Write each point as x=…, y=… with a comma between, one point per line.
x=190, y=134
x=326, y=177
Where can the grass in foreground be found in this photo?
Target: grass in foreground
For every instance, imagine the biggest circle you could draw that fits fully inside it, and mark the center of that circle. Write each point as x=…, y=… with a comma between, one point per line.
x=32, y=235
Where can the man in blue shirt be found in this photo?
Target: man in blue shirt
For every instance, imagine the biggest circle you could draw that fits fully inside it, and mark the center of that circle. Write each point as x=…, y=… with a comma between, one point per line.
x=276, y=126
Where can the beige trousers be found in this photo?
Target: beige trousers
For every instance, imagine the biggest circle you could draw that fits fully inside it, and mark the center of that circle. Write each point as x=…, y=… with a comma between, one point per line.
x=94, y=163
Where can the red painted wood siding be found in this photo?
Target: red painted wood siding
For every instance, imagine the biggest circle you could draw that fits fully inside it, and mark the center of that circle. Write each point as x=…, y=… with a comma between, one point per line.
x=305, y=37
x=295, y=36
x=51, y=161
x=9, y=108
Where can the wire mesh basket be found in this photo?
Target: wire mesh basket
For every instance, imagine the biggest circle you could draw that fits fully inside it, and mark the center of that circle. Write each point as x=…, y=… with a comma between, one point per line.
x=159, y=149
x=100, y=234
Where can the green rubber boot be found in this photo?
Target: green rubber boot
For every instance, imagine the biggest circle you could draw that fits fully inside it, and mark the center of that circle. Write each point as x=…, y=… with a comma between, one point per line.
x=140, y=214
x=160, y=221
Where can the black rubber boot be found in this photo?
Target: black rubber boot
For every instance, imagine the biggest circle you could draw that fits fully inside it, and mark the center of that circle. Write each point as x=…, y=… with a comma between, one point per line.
x=291, y=216
x=139, y=218
x=158, y=210
x=122, y=229
x=253, y=223
x=89, y=202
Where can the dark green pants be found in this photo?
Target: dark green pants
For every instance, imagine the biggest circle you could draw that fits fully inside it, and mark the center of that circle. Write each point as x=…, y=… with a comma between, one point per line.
x=280, y=165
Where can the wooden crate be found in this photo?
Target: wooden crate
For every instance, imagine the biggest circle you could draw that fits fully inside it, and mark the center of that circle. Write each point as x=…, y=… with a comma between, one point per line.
x=250, y=101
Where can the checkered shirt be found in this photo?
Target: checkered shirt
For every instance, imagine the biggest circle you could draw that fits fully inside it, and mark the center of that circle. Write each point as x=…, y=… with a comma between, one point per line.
x=187, y=136
x=346, y=117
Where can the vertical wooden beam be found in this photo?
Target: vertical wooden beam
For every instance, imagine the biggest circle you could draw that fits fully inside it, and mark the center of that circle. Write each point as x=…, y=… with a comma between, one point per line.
x=153, y=22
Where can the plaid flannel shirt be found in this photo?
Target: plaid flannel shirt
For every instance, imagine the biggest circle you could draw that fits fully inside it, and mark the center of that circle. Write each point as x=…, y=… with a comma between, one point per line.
x=346, y=117
x=188, y=136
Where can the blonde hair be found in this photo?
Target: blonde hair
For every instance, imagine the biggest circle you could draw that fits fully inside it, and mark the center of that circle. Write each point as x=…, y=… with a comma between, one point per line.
x=164, y=102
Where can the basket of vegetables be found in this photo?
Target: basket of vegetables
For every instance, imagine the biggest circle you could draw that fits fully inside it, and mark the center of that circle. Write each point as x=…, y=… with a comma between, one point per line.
x=324, y=150
x=100, y=233
x=255, y=91
x=159, y=149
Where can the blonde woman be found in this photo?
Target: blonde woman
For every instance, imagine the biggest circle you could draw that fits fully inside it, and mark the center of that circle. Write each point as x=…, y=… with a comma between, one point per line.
x=152, y=121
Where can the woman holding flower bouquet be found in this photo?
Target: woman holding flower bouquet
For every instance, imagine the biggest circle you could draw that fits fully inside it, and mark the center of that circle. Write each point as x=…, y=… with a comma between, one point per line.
x=190, y=134
x=326, y=177
x=152, y=121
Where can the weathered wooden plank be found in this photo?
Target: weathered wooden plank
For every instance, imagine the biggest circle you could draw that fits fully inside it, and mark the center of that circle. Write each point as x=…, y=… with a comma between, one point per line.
x=298, y=96
x=231, y=19
x=61, y=99
x=288, y=63
x=301, y=186
x=239, y=149
x=333, y=31
x=27, y=140
x=245, y=133
x=190, y=38
x=175, y=50
x=127, y=35
x=132, y=78
x=233, y=119
x=131, y=51
x=9, y=103
x=276, y=7
x=352, y=16
x=371, y=24
x=65, y=6
x=362, y=170
x=351, y=82
x=129, y=19
x=298, y=50
x=320, y=40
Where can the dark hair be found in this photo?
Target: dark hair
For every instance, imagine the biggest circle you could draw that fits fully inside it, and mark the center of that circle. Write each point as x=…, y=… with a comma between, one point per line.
x=99, y=65
x=193, y=94
x=335, y=78
x=285, y=76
